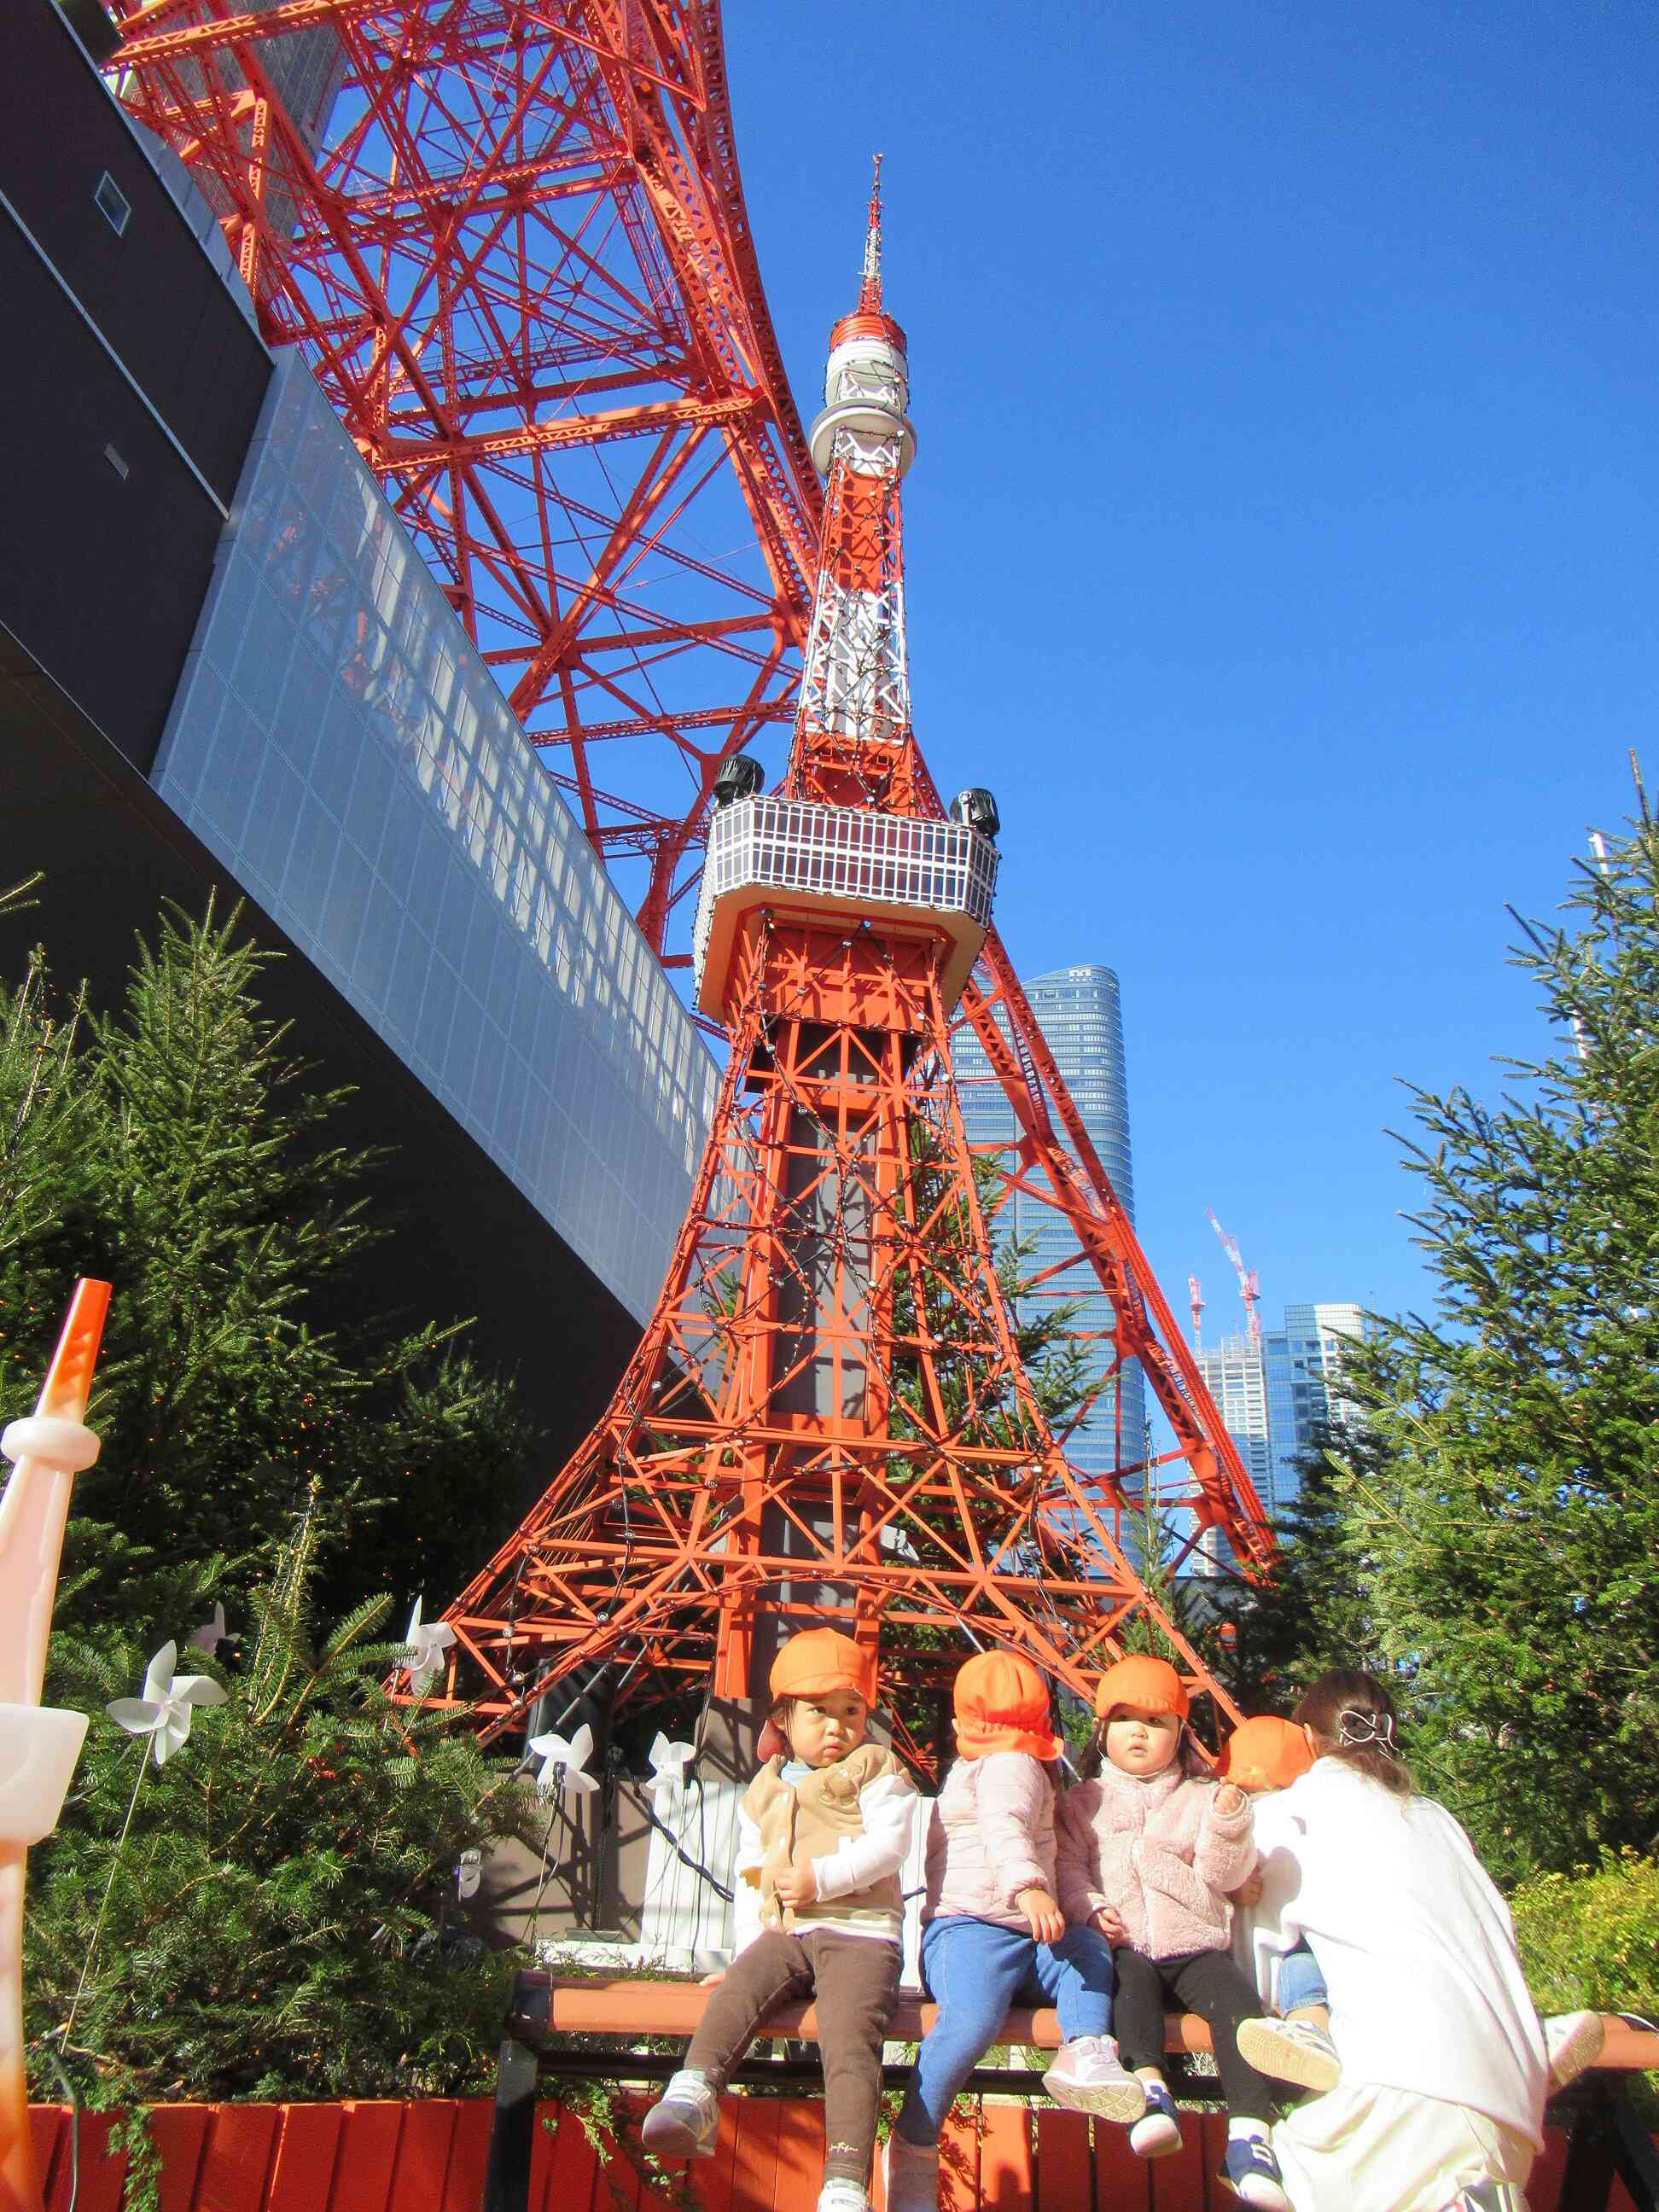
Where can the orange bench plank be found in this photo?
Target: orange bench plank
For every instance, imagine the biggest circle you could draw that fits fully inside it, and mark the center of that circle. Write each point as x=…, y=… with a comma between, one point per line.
x=307, y=2146
x=1065, y=2168
x=179, y=2133
x=620, y=2005
x=423, y=2157
x=958, y=2159
x=103, y=2172
x=800, y=2153
x=755, y=2162
x=1006, y=2170
x=49, y=2134
x=236, y=2165
x=367, y=2154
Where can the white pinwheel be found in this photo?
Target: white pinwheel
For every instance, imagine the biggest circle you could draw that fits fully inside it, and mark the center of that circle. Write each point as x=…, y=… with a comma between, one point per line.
x=163, y=1713
x=428, y=1642
x=559, y=1757
x=211, y=1633
x=669, y=1760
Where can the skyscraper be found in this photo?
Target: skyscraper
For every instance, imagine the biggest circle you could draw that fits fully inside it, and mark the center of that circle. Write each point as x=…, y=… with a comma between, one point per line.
x=1078, y=1012
x=1276, y=1397
x=1234, y=1371
x=1302, y=1364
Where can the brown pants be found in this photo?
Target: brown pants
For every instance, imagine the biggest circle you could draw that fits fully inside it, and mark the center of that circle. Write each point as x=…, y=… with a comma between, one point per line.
x=854, y=1980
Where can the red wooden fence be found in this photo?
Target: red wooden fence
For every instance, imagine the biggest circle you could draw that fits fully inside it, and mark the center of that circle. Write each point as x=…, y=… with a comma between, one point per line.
x=429, y=2157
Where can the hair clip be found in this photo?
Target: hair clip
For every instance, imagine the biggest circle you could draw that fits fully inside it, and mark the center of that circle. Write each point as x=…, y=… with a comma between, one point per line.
x=1355, y=1727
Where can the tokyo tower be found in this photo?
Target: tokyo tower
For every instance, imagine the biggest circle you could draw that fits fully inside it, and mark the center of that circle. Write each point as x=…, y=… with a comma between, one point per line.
x=828, y=1420
x=513, y=246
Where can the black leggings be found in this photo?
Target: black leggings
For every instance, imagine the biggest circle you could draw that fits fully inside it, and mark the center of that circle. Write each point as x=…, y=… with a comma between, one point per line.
x=1207, y=1983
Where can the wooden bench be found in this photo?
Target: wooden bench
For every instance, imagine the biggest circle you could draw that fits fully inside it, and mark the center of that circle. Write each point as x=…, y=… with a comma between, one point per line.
x=1604, y=2137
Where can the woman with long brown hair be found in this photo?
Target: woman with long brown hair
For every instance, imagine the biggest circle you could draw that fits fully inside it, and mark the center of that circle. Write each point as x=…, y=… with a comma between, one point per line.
x=1440, y=2105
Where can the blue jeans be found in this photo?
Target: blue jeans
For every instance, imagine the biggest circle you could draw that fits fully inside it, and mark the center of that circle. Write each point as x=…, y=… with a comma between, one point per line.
x=1300, y=1982
x=974, y=1971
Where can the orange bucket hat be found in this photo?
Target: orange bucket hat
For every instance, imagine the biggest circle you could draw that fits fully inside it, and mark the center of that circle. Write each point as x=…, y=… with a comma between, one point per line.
x=1002, y=1705
x=821, y=1660
x=1151, y=1684
x=1265, y=1753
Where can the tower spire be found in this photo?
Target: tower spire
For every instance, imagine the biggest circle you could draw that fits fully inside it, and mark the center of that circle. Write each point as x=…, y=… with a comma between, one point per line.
x=870, y=294
x=853, y=740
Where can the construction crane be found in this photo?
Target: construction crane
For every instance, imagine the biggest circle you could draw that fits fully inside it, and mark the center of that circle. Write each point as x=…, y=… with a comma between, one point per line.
x=1249, y=1282
x=1195, y=1303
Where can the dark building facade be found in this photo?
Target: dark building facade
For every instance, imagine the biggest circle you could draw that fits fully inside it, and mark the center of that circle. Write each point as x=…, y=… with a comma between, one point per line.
x=223, y=670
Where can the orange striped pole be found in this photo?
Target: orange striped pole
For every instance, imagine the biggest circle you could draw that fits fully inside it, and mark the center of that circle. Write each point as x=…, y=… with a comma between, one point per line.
x=38, y=1745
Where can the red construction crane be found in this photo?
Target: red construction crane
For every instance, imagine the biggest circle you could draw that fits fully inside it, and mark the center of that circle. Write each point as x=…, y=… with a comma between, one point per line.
x=1196, y=1303
x=1249, y=1282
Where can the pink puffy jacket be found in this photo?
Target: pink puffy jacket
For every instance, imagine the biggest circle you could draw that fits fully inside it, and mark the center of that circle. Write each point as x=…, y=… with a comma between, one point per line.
x=992, y=1835
x=1158, y=1852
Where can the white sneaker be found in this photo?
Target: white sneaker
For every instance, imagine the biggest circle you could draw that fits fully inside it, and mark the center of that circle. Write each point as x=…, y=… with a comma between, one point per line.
x=1573, y=2040
x=1489, y=2196
x=1157, y=2134
x=912, y=2171
x=1088, y=2077
x=684, y=2120
x=1290, y=2050
x=840, y=2196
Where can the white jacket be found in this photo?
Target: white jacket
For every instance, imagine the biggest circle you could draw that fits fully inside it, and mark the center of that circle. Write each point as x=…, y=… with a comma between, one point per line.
x=1415, y=1944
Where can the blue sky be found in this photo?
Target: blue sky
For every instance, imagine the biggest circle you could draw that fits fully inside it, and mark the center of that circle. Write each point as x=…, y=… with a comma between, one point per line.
x=1282, y=541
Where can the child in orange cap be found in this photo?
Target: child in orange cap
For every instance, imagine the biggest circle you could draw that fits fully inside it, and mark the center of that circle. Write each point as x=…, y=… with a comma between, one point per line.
x=1148, y=1853
x=993, y=1935
x=822, y=1831
x=1263, y=1756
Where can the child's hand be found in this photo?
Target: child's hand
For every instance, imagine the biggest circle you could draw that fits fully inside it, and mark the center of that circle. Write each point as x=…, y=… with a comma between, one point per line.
x=1110, y=1923
x=1047, y=1921
x=1229, y=1798
x=1250, y=1890
x=796, y=1886
x=709, y=1980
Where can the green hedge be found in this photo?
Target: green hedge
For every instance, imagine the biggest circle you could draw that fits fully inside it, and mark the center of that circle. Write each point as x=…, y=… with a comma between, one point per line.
x=1592, y=1938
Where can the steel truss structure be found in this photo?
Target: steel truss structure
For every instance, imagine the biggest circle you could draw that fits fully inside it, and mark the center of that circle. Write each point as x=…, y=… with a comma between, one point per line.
x=510, y=237
x=511, y=240
x=830, y=1415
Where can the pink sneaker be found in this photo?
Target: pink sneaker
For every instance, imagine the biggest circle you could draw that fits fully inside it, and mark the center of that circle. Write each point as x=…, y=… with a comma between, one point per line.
x=1088, y=2077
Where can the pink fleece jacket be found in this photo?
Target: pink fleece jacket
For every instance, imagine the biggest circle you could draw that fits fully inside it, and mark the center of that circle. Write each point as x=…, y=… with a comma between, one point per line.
x=1158, y=1853
x=992, y=1835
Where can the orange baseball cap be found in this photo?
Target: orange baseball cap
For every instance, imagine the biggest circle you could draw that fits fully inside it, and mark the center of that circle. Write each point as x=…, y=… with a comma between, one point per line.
x=1153, y=1685
x=1002, y=1705
x=820, y=1660
x=1265, y=1753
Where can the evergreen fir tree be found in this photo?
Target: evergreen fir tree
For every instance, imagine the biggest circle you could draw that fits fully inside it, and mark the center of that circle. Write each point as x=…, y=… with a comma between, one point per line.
x=1506, y=1538
x=277, y=1917
x=179, y=1150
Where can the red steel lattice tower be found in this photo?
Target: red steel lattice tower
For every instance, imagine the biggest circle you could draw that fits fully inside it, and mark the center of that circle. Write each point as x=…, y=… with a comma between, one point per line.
x=828, y=1417
x=513, y=244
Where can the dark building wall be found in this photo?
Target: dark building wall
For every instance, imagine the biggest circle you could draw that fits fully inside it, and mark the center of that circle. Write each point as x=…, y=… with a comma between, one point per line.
x=128, y=346
x=469, y=1243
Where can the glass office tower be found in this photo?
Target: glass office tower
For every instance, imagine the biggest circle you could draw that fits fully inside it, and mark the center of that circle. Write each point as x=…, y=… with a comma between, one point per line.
x=1079, y=1013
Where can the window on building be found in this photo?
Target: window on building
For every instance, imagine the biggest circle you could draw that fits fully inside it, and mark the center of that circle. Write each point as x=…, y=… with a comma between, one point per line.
x=111, y=202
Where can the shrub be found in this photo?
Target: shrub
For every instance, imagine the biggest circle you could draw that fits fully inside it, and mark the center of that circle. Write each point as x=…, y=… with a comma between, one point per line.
x=1592, y=1938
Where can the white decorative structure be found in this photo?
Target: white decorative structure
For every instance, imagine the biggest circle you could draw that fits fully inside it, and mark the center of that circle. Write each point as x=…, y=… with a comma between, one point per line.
x=669, y=1761
x=570, y=1760
x=38, y=1745
x=211, y=1633
x=428, y=1642
x=164, y=1711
